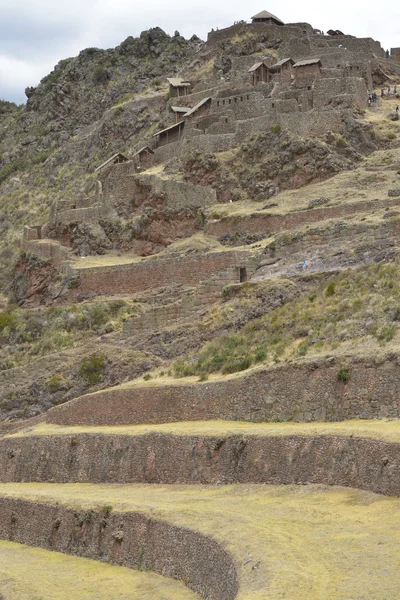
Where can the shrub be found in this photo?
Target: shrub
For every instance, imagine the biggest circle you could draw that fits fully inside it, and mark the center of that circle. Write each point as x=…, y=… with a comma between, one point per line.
x=386, y=333
x=343, y=374
x=331, y=289
x=277, y=129
x=260, y=355
x=92, y=368
x=237, y=364
x=98, y=315
x=7, y=319
x=100, y=75
x=55, y=383
x=147, y=377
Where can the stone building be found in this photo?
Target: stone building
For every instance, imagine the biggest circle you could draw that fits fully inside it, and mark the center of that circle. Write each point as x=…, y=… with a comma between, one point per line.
x=200, y=109
x=143, y=158
x=178, y=87
x=266, y=17
x=113, y=160
x=309, y=68
x=169, y=134
x=258, y=73
x=179, y=112
x=283, y=69
x=395, y=54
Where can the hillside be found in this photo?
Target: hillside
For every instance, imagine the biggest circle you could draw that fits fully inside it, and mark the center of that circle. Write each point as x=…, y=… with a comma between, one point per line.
x=199, y=274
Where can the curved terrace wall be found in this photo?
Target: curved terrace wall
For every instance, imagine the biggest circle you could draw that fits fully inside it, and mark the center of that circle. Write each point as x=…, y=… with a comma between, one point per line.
x=366, y=464
x=126, y=539
x=300, y=392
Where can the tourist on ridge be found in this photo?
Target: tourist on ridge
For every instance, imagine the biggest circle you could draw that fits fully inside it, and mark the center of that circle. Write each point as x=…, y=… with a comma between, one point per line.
x=397, y=109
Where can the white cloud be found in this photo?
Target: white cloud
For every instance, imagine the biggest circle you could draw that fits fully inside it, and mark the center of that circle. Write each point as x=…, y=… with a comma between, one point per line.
x=36, y=34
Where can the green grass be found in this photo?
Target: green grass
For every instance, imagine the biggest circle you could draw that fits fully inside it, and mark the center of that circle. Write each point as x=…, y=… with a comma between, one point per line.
x=313, y=542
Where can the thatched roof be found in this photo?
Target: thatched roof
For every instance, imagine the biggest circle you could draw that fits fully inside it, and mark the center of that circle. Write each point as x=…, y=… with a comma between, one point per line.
x=281, y=62
x=147, y=148
x=256, y=66
x=196, y=108
x=308, y=61
x=178, y=82
x=264, y=14
x=115, y=158
x=180, y=109
x=169, y=128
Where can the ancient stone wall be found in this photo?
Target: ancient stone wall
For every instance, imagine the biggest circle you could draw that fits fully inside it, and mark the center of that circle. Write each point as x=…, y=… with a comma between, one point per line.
x=162, y=458
x=206, y=293
x=300, y=241
x=83, y=215
x=274, y=223
x=244, y=105
x=46, y=250
x=312, y=123
x=395, y=54
x=152, y=274
x=209, y=143
x=300, y=392
x=176, y=194
x=271, y=31
x=128, y=539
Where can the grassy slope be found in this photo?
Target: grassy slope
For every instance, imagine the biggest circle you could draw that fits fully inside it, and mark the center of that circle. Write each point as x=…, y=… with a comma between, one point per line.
x=313, y=542
x=355, y=312
x=388, y=431
x=35, y=574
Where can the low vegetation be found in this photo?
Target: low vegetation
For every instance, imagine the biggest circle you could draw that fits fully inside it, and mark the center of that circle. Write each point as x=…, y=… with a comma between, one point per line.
x=359, y=305
x=28, y=333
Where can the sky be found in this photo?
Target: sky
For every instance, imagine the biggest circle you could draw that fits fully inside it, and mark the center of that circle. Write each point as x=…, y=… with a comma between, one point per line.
x=36, y=34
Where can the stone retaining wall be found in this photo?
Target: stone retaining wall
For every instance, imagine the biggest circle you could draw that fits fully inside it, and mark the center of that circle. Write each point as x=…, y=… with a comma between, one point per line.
x=47, y=250
x=207, y=293
x=176, y=194
x=274, y=223
x=151, y=274
x=168, y=459
x=300, y=392
x=129, y=539
x=82, y=215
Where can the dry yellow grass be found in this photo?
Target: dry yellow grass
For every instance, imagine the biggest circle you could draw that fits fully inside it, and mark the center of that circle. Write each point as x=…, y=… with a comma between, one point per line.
x=34, y=574
x=356, y=186
x=388, y=431
x=105, y=260
x=313, y=542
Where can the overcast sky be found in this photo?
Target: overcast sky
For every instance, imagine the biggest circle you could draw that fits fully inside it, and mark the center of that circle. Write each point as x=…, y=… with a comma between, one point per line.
x=36, y=34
